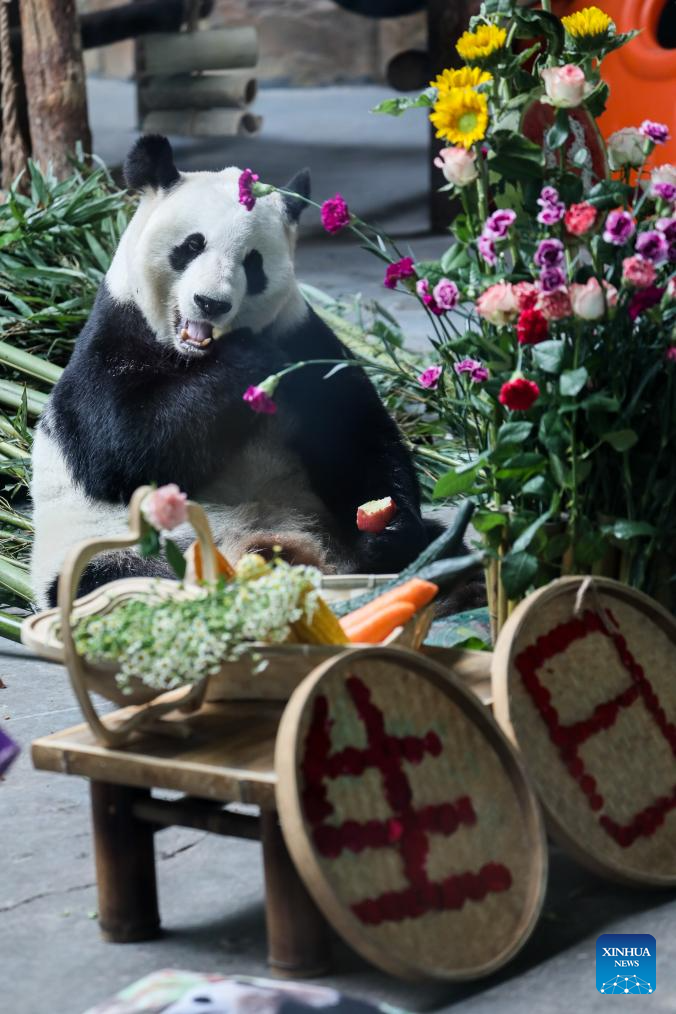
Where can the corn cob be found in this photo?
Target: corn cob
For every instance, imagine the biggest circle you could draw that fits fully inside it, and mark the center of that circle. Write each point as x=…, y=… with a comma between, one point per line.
x=324, y=627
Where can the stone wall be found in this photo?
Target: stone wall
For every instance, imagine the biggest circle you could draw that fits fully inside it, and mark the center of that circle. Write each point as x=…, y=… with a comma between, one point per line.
x=302, y=42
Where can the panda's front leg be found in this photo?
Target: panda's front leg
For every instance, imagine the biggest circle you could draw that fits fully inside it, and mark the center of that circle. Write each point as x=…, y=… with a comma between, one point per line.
x=392, y=549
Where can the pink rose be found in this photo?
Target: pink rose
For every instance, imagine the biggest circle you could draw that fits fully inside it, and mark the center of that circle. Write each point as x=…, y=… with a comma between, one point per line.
x=526, y=294
x=638, y=271
x=497, y=304
x=457, y=165
x=565, y=86
x=166, y=507
x=588, y=300
x=554, y=305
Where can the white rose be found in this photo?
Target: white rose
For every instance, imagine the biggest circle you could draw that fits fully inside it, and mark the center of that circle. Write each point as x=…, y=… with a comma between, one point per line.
x=589, y=302
x=457, y=165
x=566, y=86
x=626, y=148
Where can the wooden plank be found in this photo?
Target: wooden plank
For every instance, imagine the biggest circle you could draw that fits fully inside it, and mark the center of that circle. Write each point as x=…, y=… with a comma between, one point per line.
x=229, y=755
x=202, y=123
x=215, y=49
x=227, y=89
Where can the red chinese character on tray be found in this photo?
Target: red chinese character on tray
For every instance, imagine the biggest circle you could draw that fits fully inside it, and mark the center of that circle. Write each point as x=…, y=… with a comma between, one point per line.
x=408, y=828
x=568, y=738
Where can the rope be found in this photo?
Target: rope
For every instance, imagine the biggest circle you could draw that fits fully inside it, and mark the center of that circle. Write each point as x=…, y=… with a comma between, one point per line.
x=14, y=153
x=589, y=590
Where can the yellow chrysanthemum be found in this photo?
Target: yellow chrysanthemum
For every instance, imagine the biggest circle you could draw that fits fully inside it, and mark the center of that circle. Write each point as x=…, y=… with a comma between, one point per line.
x=466, y=77
x=481, y=43
x=587, y=22
x=461, y=116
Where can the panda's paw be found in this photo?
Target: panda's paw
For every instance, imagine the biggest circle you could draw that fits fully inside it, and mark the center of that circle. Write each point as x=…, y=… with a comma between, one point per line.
x=294, y=547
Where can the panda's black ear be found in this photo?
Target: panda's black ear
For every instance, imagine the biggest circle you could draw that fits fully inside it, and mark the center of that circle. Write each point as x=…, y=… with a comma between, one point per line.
x=298, y=184
x=150, y=163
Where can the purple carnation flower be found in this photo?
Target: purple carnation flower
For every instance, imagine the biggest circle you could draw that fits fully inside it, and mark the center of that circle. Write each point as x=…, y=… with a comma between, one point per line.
x=259, y=400
x=667, y=226
x=653, y=245
x=246, y=181
x=553, y=209
x=476, y=369
x=658, y=133
x=335, y=214
x=486, y=248
x=619, y=227
x=398, y=270
x=666, y=191
x=445, y=294
x=549, y=253
x=429, y=377
x=498, y=224
x=552, y=279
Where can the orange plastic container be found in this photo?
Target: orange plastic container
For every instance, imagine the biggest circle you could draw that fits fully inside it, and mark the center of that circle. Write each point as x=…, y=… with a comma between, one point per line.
x=641, y=75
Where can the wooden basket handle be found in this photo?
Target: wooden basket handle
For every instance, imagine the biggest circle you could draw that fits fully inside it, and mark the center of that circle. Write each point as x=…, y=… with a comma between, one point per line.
x=74, y=565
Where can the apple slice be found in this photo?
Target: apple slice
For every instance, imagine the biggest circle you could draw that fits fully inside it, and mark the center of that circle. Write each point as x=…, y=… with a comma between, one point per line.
x=376, y=515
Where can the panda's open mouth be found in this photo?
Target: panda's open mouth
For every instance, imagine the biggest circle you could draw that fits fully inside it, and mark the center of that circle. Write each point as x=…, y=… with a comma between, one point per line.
x=196, y=335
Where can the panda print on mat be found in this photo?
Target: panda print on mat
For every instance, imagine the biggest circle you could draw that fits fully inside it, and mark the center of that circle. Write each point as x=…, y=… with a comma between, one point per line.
x=200, y=302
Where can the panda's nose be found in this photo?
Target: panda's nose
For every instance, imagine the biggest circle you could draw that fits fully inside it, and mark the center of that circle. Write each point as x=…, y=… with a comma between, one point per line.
x=212, y=307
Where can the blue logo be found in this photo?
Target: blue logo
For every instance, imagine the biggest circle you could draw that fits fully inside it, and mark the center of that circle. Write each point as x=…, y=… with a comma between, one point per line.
x=626, y=963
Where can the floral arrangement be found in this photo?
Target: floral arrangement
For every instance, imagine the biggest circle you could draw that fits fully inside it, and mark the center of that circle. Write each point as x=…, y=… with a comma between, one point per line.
x=179, y=641
x=552, y=314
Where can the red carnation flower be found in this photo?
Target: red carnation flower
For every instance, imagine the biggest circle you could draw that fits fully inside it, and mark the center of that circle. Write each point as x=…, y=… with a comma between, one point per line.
x=531, y=327
x=580, y=218
x=335, y=214
x=519, y=394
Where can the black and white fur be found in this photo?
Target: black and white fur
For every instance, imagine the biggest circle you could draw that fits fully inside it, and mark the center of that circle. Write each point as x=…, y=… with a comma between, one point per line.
x=143, y=401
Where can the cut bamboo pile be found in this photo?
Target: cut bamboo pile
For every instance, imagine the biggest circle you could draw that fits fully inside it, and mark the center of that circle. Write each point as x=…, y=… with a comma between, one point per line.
x=198, y=83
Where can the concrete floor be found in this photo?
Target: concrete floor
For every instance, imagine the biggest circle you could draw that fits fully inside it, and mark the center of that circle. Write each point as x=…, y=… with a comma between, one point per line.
x=51, y=958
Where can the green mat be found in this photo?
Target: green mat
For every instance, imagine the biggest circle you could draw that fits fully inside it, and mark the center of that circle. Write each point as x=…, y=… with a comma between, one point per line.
x=471, y=629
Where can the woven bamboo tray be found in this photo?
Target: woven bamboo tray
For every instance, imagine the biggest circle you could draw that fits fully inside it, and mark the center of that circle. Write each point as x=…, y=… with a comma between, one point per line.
x=409, y=816
x=50, y=635
x=584, y=681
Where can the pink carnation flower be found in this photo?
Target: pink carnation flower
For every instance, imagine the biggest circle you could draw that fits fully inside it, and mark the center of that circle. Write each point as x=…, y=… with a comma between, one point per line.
x=637, y=271
x=335, y=214
x=555, y=305
x=259, y=400
x=430, y=377
x=526, y=294
x=670, y=354
x=422, y=287
x=166, y=507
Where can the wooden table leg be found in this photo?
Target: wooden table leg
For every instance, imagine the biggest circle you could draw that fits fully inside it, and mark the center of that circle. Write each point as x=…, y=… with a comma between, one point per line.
x=298, y=938
x=125, y=865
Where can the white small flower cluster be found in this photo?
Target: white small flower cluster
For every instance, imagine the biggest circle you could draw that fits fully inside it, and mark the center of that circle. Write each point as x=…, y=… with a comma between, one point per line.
x=180, y=641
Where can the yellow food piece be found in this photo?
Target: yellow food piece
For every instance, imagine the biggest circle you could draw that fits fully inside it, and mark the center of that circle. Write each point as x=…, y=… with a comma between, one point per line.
x=251, y=566
x=325, y=627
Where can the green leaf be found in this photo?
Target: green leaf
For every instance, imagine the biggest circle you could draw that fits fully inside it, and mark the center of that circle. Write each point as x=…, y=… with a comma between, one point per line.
x=557, y=135
x=549, y=355
x=515, y=156
x=571, y=382
x=624, y=529
x=456, y=257
x=621, y=440
x=486, y=521
x=149, y=544
x=175, y=558
x=602, y=402
x=454, y=483
x=537, y=486
x=395, y=107
x=514, y=432
x=596, y=101
x=518, y=571
x=527, y=536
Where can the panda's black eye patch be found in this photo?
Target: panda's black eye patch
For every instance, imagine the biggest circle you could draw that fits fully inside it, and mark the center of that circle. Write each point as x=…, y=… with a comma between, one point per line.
x=191, y=247
x=256, y=280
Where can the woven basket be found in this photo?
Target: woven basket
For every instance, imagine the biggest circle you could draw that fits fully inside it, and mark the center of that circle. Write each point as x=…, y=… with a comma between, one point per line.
x=50, y=634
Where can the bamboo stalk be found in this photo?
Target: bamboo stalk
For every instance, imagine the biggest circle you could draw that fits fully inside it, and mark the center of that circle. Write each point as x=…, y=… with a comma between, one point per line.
x=10, y=627
x=11, y=395
x=16, y=519
x=26, y=362
x=9, y=430
x=13, y=575
x=10, y=451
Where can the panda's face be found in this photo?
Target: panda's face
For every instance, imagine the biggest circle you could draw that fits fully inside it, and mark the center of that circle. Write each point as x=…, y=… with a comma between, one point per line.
x=198, y=264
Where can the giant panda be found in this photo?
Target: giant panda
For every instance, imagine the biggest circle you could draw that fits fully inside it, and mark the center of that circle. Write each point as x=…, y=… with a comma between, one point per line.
x=150, y=395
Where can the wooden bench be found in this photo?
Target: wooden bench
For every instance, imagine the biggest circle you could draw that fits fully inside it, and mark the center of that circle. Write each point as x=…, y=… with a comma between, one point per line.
x=228, y=758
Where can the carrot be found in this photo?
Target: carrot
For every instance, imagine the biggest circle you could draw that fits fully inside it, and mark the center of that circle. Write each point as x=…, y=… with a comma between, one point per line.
x=415, y=591
x=375, y=628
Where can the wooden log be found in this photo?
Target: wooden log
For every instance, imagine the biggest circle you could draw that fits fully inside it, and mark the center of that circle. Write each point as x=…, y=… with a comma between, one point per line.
x=202, y=123
x=229, y=89
x=55, y=82
x=125, y=865
x=200, y=814
x=217, y=49
x=298, y=939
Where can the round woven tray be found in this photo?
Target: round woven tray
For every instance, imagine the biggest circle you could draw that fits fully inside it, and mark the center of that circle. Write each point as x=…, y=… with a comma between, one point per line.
x=584, y=681
x=409, y=817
